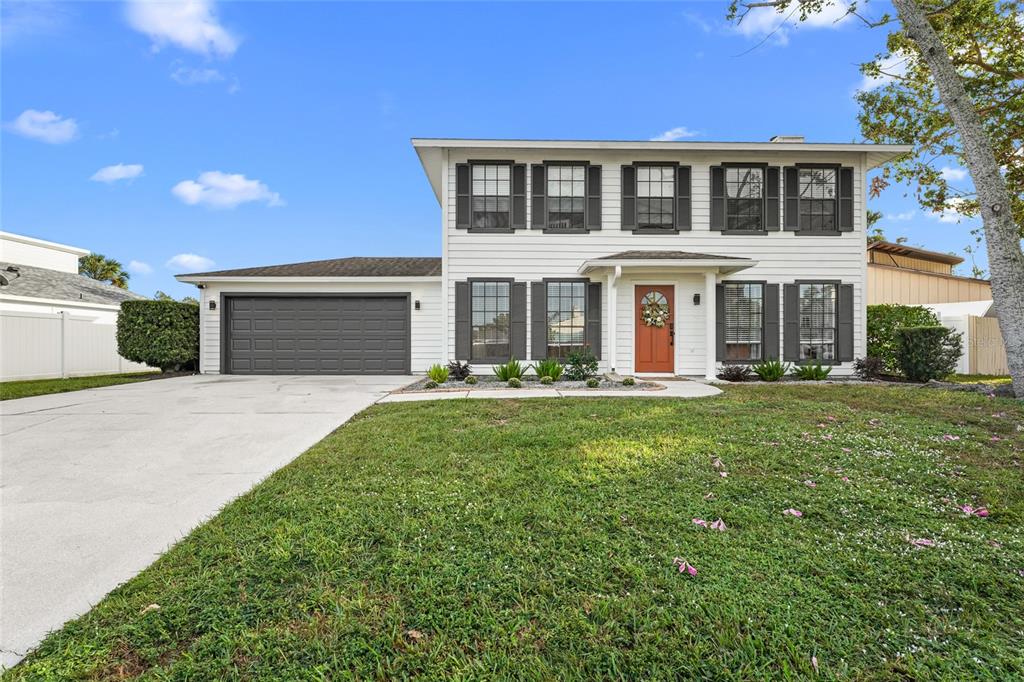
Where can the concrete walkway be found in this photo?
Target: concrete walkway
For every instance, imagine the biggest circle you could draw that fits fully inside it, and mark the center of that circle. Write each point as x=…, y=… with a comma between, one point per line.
x=673, y=389
x=98, y=483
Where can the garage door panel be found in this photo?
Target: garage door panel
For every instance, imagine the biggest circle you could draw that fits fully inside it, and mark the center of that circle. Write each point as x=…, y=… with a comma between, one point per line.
x=318, y=334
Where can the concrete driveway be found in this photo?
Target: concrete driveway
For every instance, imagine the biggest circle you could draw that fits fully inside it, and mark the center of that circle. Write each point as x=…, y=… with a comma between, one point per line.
x=96, y=484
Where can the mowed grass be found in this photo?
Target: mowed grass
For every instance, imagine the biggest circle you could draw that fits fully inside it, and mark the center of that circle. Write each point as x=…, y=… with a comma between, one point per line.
x=24, y=389
x=535, y=539
x=979, y=379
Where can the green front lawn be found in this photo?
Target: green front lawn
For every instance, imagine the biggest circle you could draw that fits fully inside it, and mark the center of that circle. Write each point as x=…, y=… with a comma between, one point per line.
x=23, y=389
x=979, y=379
x=535, y=539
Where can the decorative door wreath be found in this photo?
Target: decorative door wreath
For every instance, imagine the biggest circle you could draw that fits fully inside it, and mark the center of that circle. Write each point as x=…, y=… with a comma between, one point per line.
x=654, y=309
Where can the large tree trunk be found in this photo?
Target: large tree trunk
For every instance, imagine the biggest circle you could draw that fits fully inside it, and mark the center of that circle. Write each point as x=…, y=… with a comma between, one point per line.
x=1005, y=258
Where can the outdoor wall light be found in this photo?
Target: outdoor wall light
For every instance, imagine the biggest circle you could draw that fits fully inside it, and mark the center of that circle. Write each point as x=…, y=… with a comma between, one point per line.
x=696, y=299
x=213, y=305
x=416, y=305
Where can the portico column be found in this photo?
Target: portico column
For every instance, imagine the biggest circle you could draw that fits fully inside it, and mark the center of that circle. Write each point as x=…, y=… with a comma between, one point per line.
x=710, y=344
x=613, y=299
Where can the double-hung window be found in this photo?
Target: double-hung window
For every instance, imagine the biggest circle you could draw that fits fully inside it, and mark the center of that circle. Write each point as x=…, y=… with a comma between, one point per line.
x=491, y=196
x=655, y=196
x=566, y=318
x=818, y=196
x=744, y=321
x=566, y=197
x=744, y=205
x=489, y=310
x=818, y=321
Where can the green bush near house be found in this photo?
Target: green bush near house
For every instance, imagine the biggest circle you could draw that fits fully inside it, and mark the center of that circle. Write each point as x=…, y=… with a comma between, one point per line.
x=629, y=381
x=438, y=374
x=771, y=370
x=927, y=353
x=812, y=372
x=593, y=382
x=470, y=380
x=515, y=383
x=546, y=380
x=513, y=369
x=580, y=365
x=883, y=323
x=550, y=368
x=162, y=334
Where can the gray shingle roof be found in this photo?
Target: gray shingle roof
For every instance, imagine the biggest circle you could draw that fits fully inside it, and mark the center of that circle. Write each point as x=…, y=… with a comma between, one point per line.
x=65, y=286
x=340, y=267
x=666, y=255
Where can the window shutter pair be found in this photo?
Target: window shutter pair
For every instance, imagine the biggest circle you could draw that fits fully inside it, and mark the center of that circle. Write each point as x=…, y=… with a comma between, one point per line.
x=463, y=196
x=844, y=200
x=770, y=198
x=591, y=193
x=770, y=321
x=681, y=216
x=463, y=318
x=539, y=319
x=791, y=324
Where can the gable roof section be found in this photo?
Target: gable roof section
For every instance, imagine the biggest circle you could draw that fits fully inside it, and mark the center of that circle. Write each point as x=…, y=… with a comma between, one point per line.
x=360, y=266
x=33, y=282
x=915, y=252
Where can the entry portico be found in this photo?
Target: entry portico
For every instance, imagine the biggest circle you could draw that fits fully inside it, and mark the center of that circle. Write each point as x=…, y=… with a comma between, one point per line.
x=681, y=281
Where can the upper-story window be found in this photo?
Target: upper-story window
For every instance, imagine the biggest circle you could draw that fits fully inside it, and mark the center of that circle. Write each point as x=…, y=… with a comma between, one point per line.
x=655, y=196
x=489, y=311
x=744, y=321
x=566, y=197
x=818, y=194
x=818, y=321
x=744, y=191
x=492, y=196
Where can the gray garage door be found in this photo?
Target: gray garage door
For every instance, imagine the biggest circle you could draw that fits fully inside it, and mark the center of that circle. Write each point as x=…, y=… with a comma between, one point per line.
x=317, y=335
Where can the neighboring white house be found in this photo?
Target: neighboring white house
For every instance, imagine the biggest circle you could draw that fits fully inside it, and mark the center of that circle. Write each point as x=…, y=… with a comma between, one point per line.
x=53, y=321
x=660, y=257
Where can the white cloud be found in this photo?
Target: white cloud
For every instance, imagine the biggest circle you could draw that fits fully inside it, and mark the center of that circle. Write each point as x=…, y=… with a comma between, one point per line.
x=190, y=24
x=675, y=134
x=20, y=20
x=190, y=261
x=892, y=67
x=223, y=190
x=905, y=215
x=953, y=174
x=188, y=76
x=45, y=126
x=762, y=22
x=951, y=214
x=137, y=267
x=120, y=171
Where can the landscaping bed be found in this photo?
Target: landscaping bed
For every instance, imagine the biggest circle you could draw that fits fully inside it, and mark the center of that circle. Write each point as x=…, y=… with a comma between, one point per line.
x=866, y=533
x=492, y=383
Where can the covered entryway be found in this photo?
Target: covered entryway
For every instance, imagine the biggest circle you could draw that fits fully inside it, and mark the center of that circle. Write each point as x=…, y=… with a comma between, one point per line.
x=317, y=334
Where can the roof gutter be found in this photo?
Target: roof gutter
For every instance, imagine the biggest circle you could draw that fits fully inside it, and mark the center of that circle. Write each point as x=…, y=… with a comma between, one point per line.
x=694, y=265
x=203, y=279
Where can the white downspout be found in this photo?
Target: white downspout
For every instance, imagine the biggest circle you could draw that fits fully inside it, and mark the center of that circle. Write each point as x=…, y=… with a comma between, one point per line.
x=710, y=344
x=613, y=302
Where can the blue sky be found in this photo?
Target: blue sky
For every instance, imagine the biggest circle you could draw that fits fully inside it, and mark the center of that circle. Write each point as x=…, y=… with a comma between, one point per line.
x=178, y=138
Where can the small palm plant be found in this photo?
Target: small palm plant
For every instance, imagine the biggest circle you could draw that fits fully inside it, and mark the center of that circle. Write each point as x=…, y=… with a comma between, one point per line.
x=438, y=374
x=513, y=369
x=551, y=368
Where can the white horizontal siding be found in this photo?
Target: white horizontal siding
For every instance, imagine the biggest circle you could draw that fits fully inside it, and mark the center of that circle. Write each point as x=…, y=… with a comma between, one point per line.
x=783, y=257
x=426, y=322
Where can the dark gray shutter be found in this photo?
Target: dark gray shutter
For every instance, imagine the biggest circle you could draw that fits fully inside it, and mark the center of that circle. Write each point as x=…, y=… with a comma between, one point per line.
x=791, y=322
x=846, y=200
x=593, y=198
x=791, y=177
x=683, y=220
x=463, y=330
x=771, y=199
x=593, y=320
x=539, y=212
x=720, y=322
x=519, y=196
x=628, y=198
x=717, y=198
x=845, y=322
x=462, y=192
x=771, y=322
x=517, y=319
x=538, y=320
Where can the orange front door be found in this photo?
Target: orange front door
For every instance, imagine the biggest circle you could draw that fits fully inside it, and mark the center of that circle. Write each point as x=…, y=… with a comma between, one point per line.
x=654, y=344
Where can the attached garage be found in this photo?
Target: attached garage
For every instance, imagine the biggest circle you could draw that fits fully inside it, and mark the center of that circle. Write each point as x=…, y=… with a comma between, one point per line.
x=361, y=316
x=326, y=334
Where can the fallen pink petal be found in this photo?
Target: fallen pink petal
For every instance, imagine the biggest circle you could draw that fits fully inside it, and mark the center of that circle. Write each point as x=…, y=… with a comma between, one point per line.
x=717, y=463
x=922, y=542
x=966, y=509
x=718, y=525
x=793, y=512
x=684, y=566
x=723, y=474
x=814, y=663
x=847, y=450
x=709, y=496
x=810, y=484
x=981, y=511
x=950, y=436
x=700, y=522
x=845, y=479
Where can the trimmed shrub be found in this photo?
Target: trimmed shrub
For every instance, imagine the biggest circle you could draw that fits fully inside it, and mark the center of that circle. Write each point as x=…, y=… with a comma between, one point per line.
x=580, y=365
x=868, y=367
x=514, y=382
x=546, y=380
x=458, y=371
x=927, y=353
x=734, y=373
x=438, y=374
x=883, y=323
x=162, y=334
x=629, y=381
x=771, y=370
x=430, y=384
x=593, y=382
x=812, y=372
x=470, y=380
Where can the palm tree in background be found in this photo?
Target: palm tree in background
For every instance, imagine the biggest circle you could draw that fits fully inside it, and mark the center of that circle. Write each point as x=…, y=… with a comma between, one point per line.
x=99, y=267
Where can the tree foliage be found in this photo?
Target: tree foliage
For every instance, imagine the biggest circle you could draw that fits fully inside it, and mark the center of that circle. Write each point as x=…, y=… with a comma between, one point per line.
x=985, y=40
x=162, y=334
x=99, y=267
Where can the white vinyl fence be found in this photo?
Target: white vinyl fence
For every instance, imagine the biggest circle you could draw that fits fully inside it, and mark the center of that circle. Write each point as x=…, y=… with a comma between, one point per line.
x=47, y=345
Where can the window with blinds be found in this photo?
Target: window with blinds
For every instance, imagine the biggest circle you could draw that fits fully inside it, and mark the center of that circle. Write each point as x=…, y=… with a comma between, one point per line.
x=744, y=321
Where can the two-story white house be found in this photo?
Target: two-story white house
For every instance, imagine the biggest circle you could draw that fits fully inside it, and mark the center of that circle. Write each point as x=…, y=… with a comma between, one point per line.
x=661, y=258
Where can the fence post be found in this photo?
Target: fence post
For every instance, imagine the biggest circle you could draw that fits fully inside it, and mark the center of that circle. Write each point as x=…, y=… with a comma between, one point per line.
x=63, y=344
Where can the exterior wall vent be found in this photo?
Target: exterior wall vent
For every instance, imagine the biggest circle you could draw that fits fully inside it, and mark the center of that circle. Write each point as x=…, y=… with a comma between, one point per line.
x=798, y=139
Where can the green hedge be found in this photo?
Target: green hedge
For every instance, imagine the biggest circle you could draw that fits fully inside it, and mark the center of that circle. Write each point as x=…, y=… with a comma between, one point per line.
x=926, y=353
x=162, y=334
x=883, y=323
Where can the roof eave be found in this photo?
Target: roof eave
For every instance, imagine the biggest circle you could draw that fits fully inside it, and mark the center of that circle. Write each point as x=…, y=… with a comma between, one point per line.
x=278, y=279
x=723, y=266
